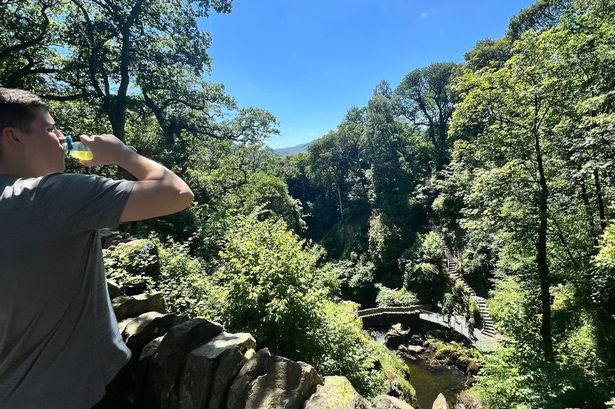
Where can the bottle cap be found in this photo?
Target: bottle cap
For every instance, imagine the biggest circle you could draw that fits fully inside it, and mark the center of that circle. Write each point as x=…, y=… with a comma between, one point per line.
x=68, y=145
x=69, y=142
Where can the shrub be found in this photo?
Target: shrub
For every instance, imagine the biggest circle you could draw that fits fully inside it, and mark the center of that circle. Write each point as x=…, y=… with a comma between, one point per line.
x=273, y=290
x=388, y=297
x=423, y=269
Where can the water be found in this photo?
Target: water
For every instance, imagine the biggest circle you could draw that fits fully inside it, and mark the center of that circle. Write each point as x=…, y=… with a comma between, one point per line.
x=82, y=155
x=429, y=381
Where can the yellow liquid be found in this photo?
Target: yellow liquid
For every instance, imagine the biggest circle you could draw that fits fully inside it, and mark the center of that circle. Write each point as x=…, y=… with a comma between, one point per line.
x=82, y=155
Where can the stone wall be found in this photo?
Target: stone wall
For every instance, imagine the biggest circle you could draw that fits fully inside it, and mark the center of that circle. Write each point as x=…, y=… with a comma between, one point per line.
x=186, y=363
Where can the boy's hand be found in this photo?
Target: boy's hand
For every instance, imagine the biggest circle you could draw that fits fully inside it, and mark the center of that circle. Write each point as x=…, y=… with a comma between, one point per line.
x=106, y=149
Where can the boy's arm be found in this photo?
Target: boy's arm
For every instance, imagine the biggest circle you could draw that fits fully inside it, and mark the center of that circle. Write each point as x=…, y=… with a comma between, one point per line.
x=158, y=191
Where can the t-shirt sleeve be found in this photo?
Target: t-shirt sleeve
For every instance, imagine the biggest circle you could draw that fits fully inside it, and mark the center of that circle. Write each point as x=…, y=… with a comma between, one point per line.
x=76, y=203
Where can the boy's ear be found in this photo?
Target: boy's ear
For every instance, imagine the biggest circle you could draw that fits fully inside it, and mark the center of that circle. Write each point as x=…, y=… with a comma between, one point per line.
x=10, y=137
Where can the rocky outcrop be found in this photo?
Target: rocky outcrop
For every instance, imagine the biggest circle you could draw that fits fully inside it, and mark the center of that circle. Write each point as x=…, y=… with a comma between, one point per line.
x=185, y=363
x=212, y=367
x=440, y=403
x=160, y=390
x=389, y=402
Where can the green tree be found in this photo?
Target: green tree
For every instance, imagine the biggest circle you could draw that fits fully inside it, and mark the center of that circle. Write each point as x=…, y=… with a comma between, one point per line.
x=427, y=101
x=27, y=59
x=110, y=42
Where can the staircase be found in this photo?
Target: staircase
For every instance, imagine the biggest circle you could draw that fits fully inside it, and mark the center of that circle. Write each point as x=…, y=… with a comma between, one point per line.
x=488, y=327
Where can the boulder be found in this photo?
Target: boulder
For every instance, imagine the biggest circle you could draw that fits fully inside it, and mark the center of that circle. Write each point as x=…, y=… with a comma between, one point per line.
x=396, y=336
x=412, y=350
x=210, y=370
x=114, y=289
x=440, y=403
x=166, y=363
x=256, y=366
x=336, y=393
x=465, y=401
x=390, y=402
x=138, y=332
x=285, y=384
x=128, y=307
x=272, y=382
x=146, y=355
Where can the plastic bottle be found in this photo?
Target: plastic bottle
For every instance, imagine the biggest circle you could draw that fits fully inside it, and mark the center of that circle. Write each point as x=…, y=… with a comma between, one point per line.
x=79, y=151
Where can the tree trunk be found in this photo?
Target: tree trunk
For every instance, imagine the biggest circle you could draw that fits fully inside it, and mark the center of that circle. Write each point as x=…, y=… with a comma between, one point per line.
x=600, y=201
x=117, y=116
x=339, y=197
x=541, y=255
x=588, y=213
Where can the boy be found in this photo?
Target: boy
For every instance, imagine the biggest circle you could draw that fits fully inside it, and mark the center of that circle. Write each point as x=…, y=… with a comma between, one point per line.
x=59, y=342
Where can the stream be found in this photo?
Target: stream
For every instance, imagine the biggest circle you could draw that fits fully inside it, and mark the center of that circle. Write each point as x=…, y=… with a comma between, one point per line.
x=430, y=380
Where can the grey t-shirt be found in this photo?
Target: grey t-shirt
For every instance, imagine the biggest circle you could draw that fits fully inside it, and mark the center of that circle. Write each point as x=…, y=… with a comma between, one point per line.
x=59, y=342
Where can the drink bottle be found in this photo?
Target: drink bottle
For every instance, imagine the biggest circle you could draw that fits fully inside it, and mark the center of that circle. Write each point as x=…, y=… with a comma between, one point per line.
x=79, y=151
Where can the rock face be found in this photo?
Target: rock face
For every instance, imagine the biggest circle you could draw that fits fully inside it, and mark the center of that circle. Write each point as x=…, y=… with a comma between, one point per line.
x=440, y=403
x=211, y=368
x=285, y=384
x=389, y=402
x=126, y=307
x=165, y=364
x=139, y=331
x=193, y=364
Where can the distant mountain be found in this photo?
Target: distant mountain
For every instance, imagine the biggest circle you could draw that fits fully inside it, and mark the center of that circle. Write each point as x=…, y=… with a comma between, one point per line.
x=293, y=150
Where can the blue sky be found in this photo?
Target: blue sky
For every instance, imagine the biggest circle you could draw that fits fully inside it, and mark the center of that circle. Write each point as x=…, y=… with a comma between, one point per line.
x=308, y=61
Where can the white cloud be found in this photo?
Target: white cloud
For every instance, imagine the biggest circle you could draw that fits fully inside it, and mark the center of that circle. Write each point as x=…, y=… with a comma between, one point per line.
x=426, y=14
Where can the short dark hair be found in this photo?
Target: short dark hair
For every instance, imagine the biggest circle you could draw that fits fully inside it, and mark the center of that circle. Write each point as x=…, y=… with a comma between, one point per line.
x=18, y=108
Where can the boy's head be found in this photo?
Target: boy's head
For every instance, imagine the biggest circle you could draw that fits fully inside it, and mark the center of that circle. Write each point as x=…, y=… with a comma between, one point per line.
x=30, y=144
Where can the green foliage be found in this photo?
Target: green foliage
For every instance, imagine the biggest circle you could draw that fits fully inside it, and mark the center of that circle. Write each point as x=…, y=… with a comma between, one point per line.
x=468, y=360
x=388, y=297
x=270, y=194
x=274, y=289
x=128, y=264
x=346, y=349
x=186, y=285
x=426, y=99
x=508, y=378
x=357, y=280
x=168, y=268
x=602, y=280
x=268, y=276
x=423, y=269
x=459, y=302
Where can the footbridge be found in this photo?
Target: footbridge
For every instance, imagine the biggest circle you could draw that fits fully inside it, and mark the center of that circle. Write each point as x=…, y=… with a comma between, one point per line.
x=420, y=318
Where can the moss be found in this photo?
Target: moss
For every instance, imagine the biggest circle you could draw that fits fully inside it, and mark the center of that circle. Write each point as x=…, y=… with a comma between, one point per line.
x=396, y=372
x=466, y=359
